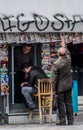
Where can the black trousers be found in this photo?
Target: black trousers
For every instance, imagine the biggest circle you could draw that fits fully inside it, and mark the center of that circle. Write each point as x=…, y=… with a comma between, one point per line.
x=65, y=106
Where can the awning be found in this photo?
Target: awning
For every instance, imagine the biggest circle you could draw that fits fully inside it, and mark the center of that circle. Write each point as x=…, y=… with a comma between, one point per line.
x=41, y=16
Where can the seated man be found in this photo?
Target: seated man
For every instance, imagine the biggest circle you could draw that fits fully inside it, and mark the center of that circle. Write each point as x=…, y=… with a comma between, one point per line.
x=32, y=74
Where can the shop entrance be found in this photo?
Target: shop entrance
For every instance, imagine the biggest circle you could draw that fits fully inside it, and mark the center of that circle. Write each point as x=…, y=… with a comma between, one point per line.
x=76, y=51
x=15, y=96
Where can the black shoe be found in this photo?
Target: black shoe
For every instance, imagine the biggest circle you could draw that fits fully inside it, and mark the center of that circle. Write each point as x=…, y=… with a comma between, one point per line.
x=70, y=123
x=32, y=107
x=61, y=123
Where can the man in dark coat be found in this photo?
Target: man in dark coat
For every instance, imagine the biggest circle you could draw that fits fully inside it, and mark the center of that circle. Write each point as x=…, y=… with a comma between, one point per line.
x=62, y=83
x=23, y=54
x=32, y=74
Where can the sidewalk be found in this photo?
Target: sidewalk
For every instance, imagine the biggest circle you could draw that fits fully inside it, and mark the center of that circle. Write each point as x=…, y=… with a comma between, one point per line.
x=78, y=120
x=41, y=127
x=78, y=125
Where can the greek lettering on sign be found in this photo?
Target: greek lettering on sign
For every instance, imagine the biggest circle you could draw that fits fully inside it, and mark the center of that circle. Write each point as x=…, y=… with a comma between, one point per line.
x=41, y=23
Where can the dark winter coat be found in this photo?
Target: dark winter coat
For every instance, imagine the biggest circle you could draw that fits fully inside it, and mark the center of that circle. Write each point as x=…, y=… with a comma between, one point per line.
x=61, y=73
x=33, y=76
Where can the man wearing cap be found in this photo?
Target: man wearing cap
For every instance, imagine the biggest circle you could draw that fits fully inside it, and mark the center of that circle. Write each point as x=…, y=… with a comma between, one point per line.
x=29, y=86
x=62, y=84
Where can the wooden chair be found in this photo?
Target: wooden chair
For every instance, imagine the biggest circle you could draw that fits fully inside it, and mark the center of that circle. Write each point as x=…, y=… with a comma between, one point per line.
x=44, y=99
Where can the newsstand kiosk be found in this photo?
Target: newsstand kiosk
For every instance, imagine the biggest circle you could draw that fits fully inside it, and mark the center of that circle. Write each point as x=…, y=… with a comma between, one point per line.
x=44, y=32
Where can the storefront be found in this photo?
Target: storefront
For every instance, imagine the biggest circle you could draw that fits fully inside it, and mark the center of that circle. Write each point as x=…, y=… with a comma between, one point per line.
x=44, y=31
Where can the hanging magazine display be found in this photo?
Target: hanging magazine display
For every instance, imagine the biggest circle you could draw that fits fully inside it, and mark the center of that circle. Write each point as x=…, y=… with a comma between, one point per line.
x=4, y=79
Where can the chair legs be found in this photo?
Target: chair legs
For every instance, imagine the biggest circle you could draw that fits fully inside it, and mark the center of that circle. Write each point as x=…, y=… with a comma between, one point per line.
x=40, y=109
x=43, y=109
x=30, y=116
x=50, y=109
x=50, y=119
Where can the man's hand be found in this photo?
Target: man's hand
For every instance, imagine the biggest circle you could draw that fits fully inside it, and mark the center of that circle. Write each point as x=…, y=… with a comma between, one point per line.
x=63, y=43
x=24, y=83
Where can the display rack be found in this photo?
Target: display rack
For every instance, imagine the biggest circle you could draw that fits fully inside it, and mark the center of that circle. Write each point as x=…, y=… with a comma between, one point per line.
x=48, y=56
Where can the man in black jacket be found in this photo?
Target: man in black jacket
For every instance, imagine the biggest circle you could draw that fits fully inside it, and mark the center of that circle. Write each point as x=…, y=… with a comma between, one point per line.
x=62, y=83
x=32, y=74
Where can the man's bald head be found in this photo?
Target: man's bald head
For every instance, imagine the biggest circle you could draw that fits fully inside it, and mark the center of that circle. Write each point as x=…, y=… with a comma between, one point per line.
x=61, y=51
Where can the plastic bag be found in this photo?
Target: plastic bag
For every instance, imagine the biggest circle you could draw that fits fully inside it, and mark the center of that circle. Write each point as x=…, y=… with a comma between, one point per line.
x=55, y=102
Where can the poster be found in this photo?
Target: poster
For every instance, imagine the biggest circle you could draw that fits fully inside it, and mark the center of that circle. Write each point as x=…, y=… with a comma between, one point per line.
x=4, y=79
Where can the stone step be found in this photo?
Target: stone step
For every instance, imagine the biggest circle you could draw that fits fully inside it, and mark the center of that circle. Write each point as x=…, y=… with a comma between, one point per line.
x=23, y=118
x=80, y=100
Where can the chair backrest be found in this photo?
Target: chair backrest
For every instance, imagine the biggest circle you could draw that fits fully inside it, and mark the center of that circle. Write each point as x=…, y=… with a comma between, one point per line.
x=44, y=86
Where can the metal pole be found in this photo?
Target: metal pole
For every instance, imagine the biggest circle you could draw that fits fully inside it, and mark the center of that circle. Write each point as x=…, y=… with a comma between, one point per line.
x=35, y=55
x=12, y=49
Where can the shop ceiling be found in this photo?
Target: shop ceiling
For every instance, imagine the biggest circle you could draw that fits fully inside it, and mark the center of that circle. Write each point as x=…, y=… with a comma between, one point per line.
x=41, y=16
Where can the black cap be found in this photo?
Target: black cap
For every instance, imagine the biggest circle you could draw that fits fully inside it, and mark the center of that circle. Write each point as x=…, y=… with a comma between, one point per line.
x=27, y=44
x=25, y=65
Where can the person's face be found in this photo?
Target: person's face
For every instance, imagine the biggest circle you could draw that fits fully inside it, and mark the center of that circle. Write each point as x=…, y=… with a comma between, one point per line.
x=26, y=49
x=4, y=66
x=26, y=70
x=71, y=38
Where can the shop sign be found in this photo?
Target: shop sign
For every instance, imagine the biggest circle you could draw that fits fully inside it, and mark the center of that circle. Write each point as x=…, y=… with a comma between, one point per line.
x=41, y=23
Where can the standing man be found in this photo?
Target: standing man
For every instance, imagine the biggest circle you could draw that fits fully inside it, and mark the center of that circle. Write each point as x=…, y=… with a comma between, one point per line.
x=30, y=84
x=23, y=54
x=62, y=84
